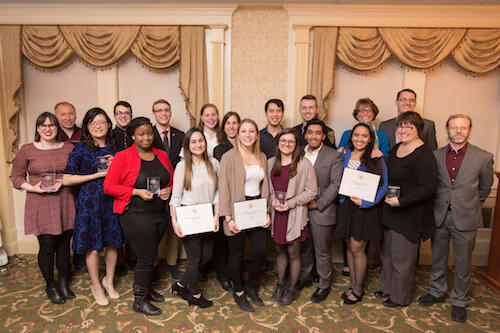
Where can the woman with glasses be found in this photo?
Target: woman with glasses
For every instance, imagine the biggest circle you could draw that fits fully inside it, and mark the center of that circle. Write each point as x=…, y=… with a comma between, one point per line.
x=50, y=208
x=408, y=217
x=293, y=186
x=96, y=227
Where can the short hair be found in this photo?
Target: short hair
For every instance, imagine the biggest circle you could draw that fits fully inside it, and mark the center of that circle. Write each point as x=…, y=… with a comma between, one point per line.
x=316, y=121
x=122, y=103
x=41, y=119
x=310, y=97
x=64, y=103
x=459, y=115
x=158, y=101
x=136, y=123
x=225, y=120
x=407, y=90
x=365, y=101
x=413, y=118
x=276, y=101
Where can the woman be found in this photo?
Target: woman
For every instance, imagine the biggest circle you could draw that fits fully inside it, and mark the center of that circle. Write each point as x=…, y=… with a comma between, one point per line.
x=143, y=214
x=195, y=182
x=96, y=227
x=230, y=124
x=358, y=220
x=291, y=174
x=50, y=210
x=408, y=218
x=243, y=173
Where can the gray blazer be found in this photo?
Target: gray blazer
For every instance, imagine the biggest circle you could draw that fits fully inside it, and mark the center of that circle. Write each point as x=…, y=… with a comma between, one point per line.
x=472, y=186
x=428, y=135
x=328, y=167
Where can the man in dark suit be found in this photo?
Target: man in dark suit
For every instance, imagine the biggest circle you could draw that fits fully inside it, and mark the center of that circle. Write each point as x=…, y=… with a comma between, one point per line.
x=169, y=139
x=327, y=163
x=465, y=179
x=123, y=116
x=309, y=110
x=406, y=100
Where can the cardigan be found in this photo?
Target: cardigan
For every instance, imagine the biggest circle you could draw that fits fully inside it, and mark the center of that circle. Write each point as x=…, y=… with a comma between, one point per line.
x=123, y=172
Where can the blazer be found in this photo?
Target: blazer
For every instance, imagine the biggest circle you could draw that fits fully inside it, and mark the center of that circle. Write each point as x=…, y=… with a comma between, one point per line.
x=428, y=133
x=232, y=177
x=328, y=167
x=176, y=138
x=472, y=186
x=123, y=172
x=301, y=190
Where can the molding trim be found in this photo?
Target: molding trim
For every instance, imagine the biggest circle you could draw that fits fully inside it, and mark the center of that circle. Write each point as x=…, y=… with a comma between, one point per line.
x=435, y=16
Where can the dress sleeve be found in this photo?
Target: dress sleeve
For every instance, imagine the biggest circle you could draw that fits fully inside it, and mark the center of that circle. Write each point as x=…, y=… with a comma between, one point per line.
x=74, y=160
x=19, y=168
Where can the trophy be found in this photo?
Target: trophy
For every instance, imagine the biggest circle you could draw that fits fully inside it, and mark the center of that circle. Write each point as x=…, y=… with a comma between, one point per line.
x=392, y=192
x=49, y=181
x=102, y=164
x=154, y=184
x=281, y=197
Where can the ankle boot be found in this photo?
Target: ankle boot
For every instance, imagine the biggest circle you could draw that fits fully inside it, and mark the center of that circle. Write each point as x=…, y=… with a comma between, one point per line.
x=55, y=295
x=141, y=304
x=202, y=302
x=155, y=296
x=63, y=285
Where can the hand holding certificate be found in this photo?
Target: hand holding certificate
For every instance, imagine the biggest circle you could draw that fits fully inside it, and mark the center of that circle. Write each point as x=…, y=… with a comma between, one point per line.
x=250, y=213
x=359, y=184
x=195, y=219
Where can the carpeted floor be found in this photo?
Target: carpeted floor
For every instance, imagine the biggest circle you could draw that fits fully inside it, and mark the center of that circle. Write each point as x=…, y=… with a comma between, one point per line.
x=25, y=308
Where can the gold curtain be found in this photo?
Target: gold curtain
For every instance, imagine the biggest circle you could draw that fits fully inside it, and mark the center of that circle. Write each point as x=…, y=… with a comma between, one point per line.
x=157, y=47
x=45, y=46
x=479, y=51
x=10, y=88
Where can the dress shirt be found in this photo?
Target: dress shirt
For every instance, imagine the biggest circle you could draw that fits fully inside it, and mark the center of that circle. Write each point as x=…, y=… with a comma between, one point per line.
x=454, y=161
x=312, y=156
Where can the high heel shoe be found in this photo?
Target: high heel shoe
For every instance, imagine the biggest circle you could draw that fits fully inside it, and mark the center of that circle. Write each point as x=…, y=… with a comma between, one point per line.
x=113, y=294
x=100, y=300
x=349, y=301
x=181, y=291
x=202, y=302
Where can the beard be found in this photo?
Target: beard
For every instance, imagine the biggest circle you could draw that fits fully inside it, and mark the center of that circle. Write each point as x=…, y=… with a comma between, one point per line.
x=458, y=139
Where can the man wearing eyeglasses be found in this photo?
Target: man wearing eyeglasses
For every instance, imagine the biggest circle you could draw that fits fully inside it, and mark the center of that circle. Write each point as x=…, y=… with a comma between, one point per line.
x=66, y=116
x=123, y=116
x=406, y=100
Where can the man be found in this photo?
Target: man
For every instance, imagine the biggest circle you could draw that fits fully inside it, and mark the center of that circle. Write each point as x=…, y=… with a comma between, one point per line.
x=309, y=110
x=327, y=163
x=274, y=109
x=123, y=116
x=66, y=116
x=406, y=100
x=465, y=179
x=168, y=139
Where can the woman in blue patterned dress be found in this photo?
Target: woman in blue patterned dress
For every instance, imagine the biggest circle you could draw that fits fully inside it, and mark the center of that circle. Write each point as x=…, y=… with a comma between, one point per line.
x=96, y=227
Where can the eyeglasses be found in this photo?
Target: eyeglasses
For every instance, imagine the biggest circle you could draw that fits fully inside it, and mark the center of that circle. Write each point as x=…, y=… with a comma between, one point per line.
x=406, y=127
x=98, y=123
x=409, y=100
x=120, y=113
x=46, y=127
x=283, y=141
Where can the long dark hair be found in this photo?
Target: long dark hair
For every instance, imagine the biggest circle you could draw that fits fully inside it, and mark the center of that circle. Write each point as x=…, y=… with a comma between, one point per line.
x=188, y=160
x=87, y=137
x=53, y=120
x=372, y=164
x=225, y=120
x=277, y=167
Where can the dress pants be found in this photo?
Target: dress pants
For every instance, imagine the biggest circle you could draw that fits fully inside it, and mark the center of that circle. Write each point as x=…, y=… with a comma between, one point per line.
x=463, y=244
x=398, y=257
x=320, y=252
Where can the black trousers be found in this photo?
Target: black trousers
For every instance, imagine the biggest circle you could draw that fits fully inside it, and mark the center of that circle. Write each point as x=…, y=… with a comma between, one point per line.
x=199, y=249
x=220, y=257
x=143, y=231
x=258, y=238
x=57, y=245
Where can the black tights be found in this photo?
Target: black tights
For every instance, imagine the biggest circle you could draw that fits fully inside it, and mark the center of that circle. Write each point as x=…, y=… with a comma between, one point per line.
x=288, y=254
x=50, y=245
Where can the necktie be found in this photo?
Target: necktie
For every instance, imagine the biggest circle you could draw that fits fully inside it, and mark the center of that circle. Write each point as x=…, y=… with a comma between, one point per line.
x=125, y=145
x=165, y=139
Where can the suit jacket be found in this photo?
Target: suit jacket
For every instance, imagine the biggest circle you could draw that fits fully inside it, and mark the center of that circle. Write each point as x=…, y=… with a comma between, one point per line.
x=472, y=186
x=428, y=133
x=329, y=137
x=176, y=138
x=328, y=167
x=301, y=190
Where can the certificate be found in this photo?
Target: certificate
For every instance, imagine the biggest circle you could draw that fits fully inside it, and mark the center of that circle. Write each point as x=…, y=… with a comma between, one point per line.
x=359, y=184
x=195, y=219
x=250, y=213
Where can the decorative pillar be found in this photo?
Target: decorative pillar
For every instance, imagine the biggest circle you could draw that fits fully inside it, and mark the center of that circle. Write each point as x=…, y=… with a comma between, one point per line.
x=217, y=35
x=302, y=50
x=415, y=80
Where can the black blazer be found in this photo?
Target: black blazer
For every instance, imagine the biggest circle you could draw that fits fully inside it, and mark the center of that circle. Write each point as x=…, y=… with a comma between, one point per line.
x=176, y=138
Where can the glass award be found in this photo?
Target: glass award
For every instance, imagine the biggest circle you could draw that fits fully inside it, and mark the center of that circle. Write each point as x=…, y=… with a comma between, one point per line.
x=102, y=164
x=154, y=185
x=48, y=181
x=392, y=192
x=281, y=197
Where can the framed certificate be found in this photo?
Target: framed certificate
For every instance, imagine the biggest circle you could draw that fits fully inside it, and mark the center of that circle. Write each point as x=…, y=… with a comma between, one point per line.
x=195, y=219
x=359, y=184
x=250, y=213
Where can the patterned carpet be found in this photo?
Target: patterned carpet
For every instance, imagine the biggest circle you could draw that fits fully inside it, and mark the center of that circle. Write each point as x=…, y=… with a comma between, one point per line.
x=25, y=308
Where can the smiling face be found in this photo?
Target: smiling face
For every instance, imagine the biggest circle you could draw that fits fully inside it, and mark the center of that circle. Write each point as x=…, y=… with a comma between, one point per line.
x=143, y=137
x=66, y=116
x=360, y=138
x=98, y=127
x=308, y=109
x=287, y=144
x=365, y=113
x=231, y=127
x=274, y=114
x=458, y=130
x=407, y=132
x=197, y=144
x=247, y=135
x=47, y=130
x=314, y=136
x=406, y=102
x=210, y=118
x=123, y=116
x=162, y=114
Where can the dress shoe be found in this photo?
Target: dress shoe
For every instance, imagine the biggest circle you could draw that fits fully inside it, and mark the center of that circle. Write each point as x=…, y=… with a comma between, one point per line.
x=121, y=269
x=243, y=302
x=304, y=284
x=459, y=314
x=175, y=272
x=108, y=287
x=390, y=304
x=55, y=295
x=380, y=294
x=63, y=285
x=429, y=299
x=278, y=292
x=226, y=285
x=155, y=296
x=357, y=298
x=288, y=297
x=254, y=296
x=345, y=271
x=181, y=291
x=99, y=296
x=320, y=295
x=201, y=301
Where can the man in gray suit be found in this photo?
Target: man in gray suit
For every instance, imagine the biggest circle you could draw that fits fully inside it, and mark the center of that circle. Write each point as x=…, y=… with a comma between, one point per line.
x=465, y=179
x=327, y=163
x=406, y=100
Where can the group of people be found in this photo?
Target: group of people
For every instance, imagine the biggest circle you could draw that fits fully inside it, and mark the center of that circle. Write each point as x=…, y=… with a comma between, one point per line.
x=298, y=171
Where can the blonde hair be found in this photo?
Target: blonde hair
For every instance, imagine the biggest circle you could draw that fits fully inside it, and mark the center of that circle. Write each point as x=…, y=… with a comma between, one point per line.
x=256, y=145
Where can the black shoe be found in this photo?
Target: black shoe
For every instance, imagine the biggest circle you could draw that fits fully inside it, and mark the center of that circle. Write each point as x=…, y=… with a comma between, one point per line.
x=226, y=285
x=390, y=304
x=429, y=299
x=181, y=291
x=459, y=314
x=121, y=270
x=304, y=284
x=175, y=272
x=55, y=295
x=380, y=294
x=254, y=296
x=288, y=297
x=357, y=299
x=345, y=271
x=320, y=295
x=278, y=292
x=155, y=296
x=243, y=302
x=202, y=302
x=141, y=304
x=63, y=285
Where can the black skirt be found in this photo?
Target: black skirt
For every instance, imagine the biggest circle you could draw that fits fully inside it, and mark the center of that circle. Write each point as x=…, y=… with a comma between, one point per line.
x=359, y=223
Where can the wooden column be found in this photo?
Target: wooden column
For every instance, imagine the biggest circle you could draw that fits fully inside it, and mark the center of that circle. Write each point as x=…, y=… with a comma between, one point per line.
x=302, y=50
x=218, y=44
x=492, y=276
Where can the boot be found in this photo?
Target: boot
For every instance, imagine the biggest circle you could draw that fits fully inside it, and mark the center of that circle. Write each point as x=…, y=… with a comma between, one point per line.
x=141, y=304
x=55, y=295
x=155, y=296
x=63, y=285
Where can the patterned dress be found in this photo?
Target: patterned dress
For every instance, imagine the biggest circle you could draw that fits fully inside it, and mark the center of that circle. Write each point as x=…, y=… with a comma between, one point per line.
x=95, y=224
